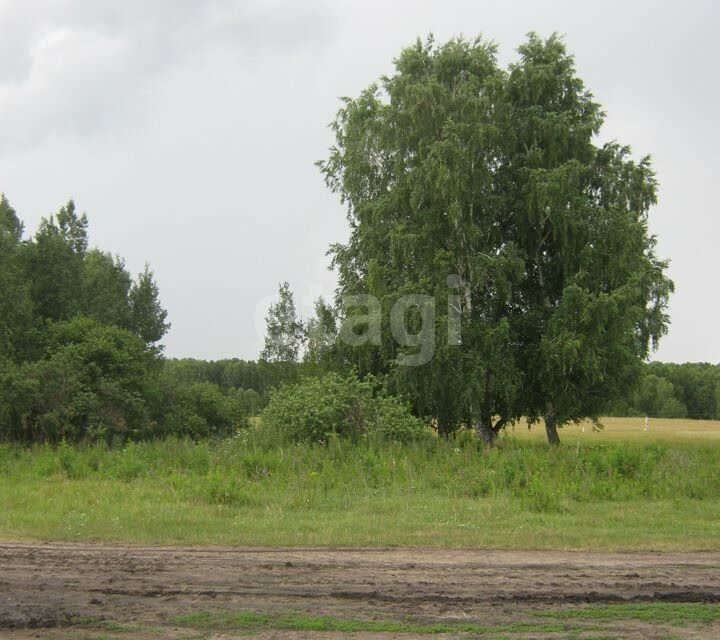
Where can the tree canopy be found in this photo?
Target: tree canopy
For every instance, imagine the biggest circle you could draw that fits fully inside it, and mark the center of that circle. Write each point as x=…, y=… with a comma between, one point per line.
x=80, y=352
x=485, y=189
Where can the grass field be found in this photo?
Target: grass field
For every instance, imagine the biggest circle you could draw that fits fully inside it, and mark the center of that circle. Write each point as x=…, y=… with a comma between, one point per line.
x=628, y=430
x=601, y=490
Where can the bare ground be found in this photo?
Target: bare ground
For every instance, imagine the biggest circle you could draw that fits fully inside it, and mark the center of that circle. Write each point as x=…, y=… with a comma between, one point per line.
x=68, y=590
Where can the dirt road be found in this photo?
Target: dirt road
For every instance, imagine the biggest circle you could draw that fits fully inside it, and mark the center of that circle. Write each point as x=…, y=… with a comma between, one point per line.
x=47, y=589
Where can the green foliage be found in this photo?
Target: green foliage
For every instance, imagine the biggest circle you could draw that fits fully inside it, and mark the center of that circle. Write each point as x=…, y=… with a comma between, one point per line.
x=415, y=161
x=90, y=382
x=391, y=419
x=657, y=397
x=96, y=381
x=667, y=390
x=694, y=386
x=79, y=352
x=54, y=264
x=320, y=336
x=202, y=409
x=15, y=301
x=248, y=382
x=11, y=228
x=17, y=394
x=227, y=374
x=315, y=409
x=54, y=277
x=147, y=316
x=106, y=284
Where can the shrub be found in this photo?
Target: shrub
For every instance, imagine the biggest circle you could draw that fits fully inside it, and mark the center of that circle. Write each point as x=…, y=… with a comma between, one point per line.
x=17, y=394
x=315, y=409
x=90, y=383
x=392, y=420
x=201, y=409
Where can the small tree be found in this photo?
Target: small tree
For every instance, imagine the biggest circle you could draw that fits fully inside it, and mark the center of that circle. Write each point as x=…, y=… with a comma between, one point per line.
x=284, y=334
x=146, y=312
x=283, y=337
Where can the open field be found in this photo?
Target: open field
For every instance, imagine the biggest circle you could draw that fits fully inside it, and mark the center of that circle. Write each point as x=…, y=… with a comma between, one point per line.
x=628, y=430
x=139, y=593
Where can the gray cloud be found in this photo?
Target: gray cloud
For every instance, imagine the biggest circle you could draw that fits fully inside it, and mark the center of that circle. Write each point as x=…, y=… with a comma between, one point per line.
x=188, y=131
x=73, y=66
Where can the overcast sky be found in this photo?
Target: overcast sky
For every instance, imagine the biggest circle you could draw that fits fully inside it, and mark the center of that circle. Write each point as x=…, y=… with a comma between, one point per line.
x=188, y=129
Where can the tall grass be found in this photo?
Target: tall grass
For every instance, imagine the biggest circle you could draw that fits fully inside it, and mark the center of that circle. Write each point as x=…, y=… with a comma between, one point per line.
x=252, y=467
x=276, y=492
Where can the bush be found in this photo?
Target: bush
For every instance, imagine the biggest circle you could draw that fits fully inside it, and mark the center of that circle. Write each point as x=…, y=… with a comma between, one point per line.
x=201, y=409
x=17, y=393
x=315, y=409
x=90, y=383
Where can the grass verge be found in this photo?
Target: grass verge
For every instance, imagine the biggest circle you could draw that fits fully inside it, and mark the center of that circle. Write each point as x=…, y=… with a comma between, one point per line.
x=251, y=621
x=574, y=622
x=657, y=612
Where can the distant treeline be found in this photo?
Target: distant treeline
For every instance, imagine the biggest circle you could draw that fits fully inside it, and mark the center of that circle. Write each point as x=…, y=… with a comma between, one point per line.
x=227, y=374
x=666, y=390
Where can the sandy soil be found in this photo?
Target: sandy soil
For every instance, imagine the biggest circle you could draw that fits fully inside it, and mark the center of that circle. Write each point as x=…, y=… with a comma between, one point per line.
x=45, y=587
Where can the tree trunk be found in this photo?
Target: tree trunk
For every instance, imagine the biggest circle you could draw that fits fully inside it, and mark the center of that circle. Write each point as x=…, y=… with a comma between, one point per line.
x=486, y=433
x=485, y=424
x=444, y=429
x=551, y=425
